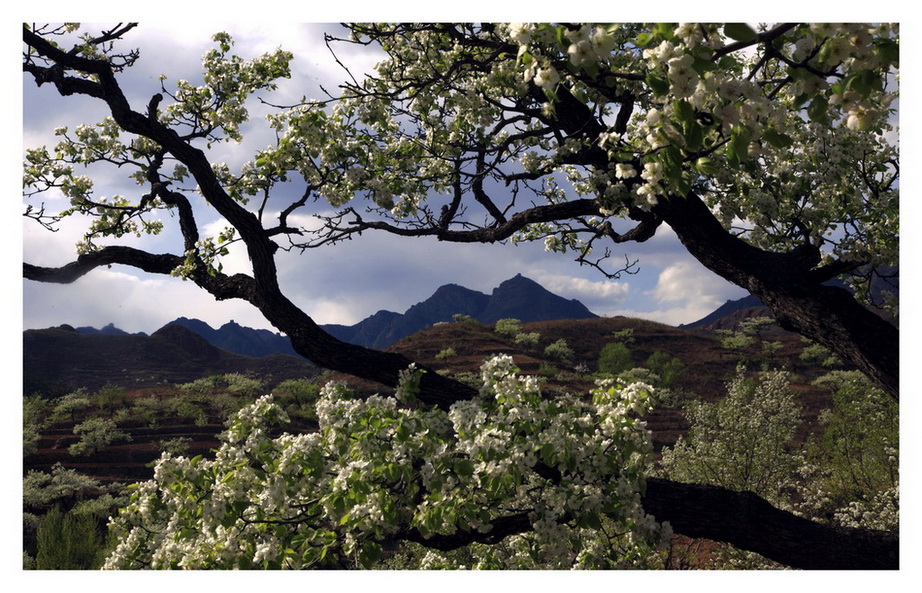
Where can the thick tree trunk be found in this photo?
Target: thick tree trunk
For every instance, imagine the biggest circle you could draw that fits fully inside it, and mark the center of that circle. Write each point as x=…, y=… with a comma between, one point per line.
x=750, y=523
x=801, y=303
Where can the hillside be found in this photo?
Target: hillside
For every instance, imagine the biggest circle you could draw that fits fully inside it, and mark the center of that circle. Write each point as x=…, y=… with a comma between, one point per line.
x=58, y=360
x=707, y=366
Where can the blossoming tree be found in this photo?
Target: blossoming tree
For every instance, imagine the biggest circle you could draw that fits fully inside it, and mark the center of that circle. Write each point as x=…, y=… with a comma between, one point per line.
x=764, y=151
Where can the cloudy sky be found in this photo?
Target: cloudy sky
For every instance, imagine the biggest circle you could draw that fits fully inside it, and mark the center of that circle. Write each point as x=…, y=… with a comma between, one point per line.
x=339, y=284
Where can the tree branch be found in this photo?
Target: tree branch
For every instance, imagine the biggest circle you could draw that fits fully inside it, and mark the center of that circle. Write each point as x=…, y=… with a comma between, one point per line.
x=751, y=523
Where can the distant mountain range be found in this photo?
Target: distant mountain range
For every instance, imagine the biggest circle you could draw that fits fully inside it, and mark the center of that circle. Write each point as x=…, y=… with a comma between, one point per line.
x=59, y=359
x=727, y=311
x=518, y=297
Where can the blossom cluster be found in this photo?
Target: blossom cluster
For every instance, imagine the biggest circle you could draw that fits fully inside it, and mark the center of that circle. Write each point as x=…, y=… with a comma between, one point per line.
x=376, y=469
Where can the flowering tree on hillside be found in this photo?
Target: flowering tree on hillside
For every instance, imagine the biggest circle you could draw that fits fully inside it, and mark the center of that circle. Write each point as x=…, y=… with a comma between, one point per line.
x=765, y=151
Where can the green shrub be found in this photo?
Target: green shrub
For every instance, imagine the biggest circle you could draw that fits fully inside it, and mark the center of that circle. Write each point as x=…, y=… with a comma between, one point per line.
x=446, y=353
x=527, y=340
x=559, y=351
x=243, y=386
x=508, y=327
x=302, y=391
x=667, y=368
x=67, y=541
x=548, y=370
x=68, y=406
x=614, y=358
x=818, y=354
x=859, y=444
x=744, y=441
x=110, y=397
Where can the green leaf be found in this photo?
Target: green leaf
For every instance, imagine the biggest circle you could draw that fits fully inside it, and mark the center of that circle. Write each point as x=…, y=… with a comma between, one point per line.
x=706, y=166
x=887, y=51
x=703, y=65
x=817, y=110
x=683, y=110
x=694, y=135
x=863, y=82
x=464, y=467
x=740, y=32
x=777, y=139
x=644, y=40
x=659, y=86
x=369, y=554
x=738, y=148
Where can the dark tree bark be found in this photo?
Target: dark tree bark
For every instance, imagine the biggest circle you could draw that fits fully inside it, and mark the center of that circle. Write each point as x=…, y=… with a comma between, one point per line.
x=788, y=284
x=750, y=523
x=738, y=518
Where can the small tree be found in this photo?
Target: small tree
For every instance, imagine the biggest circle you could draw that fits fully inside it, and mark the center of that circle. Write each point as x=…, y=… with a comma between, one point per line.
x=819, y=354
x=68, y=406
x=96, y=434
x=743, y=442
x=446, y=353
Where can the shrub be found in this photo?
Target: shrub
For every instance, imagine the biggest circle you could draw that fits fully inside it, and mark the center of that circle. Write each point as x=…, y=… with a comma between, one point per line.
x=527, y=340
x=109, y=397
x=818, y=354
x=446, y=353
x=176, y=445
x=859, y=445
x=508, y=327
x=614, y=358
x=668, y=368
x=302, y=391
x=243, y=386
x=560, y=351
x=66, y=407
x=625, y=336
x=67, y=541
x=183, y=407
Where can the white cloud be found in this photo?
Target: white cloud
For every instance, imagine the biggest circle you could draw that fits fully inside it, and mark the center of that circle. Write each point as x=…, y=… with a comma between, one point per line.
x=599, y=296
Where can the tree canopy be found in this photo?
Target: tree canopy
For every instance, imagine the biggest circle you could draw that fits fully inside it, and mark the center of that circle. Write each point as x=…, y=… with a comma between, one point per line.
x=768, y=152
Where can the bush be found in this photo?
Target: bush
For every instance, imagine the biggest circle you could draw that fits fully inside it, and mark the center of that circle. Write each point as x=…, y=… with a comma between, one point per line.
x=183, y=407
x=527, y=340
x=302, y=391
x=67, y=541
x=560, y=351
x=508, y=327
x=66, y=407
x=742, y=442
x=109, y=397
x=859, y=445
x=819, y=354
x=668, y=368
x=243, y=386
x=446, y=353
x=614, y=358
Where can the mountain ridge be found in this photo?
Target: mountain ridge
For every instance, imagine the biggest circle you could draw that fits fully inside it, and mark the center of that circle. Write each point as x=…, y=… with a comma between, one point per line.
x=519, y=297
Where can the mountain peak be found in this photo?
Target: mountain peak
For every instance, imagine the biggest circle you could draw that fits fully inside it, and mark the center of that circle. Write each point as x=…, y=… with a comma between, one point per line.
x=518, y=297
